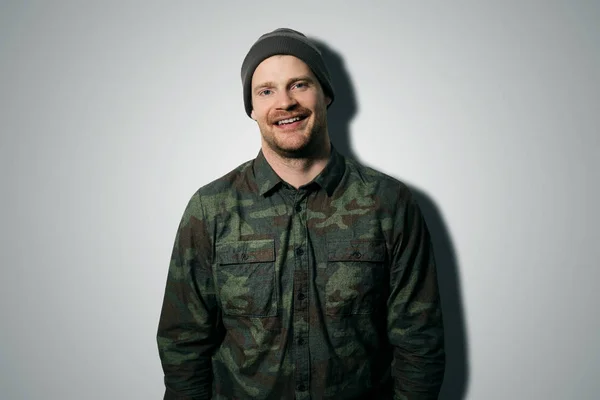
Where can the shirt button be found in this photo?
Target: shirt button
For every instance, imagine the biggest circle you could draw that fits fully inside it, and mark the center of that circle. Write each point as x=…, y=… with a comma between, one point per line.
x=301, y=296
x=300, y=341
x=299, y=251
x=301, y=387
x=298, y=208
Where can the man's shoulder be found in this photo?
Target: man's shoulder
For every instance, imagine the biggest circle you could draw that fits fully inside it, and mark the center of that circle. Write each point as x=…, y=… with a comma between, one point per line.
x=370, y=176
x=235, y=180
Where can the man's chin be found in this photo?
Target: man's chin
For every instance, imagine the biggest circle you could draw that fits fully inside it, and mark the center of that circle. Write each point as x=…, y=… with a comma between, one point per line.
x=291, y=142
x=299, y=151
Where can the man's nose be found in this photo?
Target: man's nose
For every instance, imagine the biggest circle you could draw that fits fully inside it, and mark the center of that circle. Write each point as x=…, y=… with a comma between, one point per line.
x=285, y=101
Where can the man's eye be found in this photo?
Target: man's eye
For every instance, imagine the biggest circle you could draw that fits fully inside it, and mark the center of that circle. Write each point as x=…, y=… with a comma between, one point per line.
x=300, y=85
x=265, y=92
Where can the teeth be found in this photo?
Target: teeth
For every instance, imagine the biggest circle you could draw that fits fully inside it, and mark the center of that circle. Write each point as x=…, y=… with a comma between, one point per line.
x=288, y=121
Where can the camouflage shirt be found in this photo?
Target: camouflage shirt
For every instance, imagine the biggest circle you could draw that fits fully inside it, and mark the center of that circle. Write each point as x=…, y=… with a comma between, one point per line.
x=328, y=291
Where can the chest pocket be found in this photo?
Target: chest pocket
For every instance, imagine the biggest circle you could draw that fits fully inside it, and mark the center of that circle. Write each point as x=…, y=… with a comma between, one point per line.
x=354, y=277
x=246, y=278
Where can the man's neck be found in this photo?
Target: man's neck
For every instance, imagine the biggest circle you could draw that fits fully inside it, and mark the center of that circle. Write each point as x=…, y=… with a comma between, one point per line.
x=297, y=171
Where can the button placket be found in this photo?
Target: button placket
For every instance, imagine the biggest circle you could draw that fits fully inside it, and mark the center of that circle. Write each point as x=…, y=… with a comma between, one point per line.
x=301, y=257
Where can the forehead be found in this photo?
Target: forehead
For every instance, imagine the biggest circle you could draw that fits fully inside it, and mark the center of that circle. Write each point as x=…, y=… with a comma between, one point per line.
x=280, y=68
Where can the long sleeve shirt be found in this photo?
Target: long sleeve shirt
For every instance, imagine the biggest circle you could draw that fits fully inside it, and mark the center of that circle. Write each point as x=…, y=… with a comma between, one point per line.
x=328, y=291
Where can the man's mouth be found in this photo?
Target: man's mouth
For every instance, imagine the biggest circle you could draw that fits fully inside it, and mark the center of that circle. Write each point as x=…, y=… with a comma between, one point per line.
x=290, y=121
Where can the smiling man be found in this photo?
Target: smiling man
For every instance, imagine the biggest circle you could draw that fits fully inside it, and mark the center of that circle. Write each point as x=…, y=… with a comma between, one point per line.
x=301, y=274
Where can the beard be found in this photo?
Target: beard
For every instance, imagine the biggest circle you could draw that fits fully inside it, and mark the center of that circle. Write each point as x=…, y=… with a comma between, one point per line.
x=307, y=141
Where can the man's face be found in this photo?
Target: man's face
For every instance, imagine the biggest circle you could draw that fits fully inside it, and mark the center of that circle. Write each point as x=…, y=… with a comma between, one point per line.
x=289, y=106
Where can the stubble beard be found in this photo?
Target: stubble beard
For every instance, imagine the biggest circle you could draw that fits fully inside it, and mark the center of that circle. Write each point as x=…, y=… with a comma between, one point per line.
x=309, y=147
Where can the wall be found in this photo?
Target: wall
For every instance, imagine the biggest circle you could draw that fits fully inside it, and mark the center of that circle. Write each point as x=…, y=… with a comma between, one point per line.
x=113, y=113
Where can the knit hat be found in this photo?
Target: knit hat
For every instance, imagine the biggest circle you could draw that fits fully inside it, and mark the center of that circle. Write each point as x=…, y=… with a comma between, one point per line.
x=285, y=42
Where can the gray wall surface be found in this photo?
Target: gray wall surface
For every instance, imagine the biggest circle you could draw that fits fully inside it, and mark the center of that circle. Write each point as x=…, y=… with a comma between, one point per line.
x=113, y=113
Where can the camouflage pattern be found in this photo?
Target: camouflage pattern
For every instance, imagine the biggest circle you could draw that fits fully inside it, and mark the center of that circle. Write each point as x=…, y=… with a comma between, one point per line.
x=325, y=292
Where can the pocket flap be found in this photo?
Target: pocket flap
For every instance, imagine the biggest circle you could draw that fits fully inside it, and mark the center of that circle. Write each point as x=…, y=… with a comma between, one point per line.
x=356, y=250
x=249, y=251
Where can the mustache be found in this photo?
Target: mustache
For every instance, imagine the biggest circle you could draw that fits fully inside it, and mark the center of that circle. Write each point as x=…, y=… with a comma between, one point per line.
x=279, y=115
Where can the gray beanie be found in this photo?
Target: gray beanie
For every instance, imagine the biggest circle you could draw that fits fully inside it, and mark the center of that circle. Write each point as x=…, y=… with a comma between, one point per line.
x=288, y=42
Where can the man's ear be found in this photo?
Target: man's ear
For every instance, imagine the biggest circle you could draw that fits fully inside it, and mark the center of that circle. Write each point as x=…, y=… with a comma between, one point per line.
x=252, y=115
x=327, y=100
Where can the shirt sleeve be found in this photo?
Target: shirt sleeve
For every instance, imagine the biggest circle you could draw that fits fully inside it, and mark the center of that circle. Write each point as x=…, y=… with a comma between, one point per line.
x=188, y=329
x=415, y=327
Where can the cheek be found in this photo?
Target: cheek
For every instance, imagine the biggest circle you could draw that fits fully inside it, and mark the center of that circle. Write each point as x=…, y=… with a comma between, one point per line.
x=260, y=113
x=312, y=102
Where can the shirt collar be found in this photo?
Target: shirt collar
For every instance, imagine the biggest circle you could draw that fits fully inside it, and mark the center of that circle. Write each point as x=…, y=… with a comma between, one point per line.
x=266, y=178
x=328, y=179
x=332, y=174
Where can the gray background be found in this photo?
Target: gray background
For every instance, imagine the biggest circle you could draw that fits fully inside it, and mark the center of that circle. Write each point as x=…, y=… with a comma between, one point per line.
x=113, y=113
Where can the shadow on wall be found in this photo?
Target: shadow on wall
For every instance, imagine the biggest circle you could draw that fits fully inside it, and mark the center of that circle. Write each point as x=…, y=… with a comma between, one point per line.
x=339, y=117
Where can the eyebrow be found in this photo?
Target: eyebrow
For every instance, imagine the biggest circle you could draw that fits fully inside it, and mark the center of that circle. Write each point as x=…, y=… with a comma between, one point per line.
x=270, y=84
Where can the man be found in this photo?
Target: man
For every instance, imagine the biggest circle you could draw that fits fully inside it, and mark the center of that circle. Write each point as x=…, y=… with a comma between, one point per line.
x=300, y=274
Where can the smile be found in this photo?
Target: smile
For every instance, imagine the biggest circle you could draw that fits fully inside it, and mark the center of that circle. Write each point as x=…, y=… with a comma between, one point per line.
x=290, y=121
